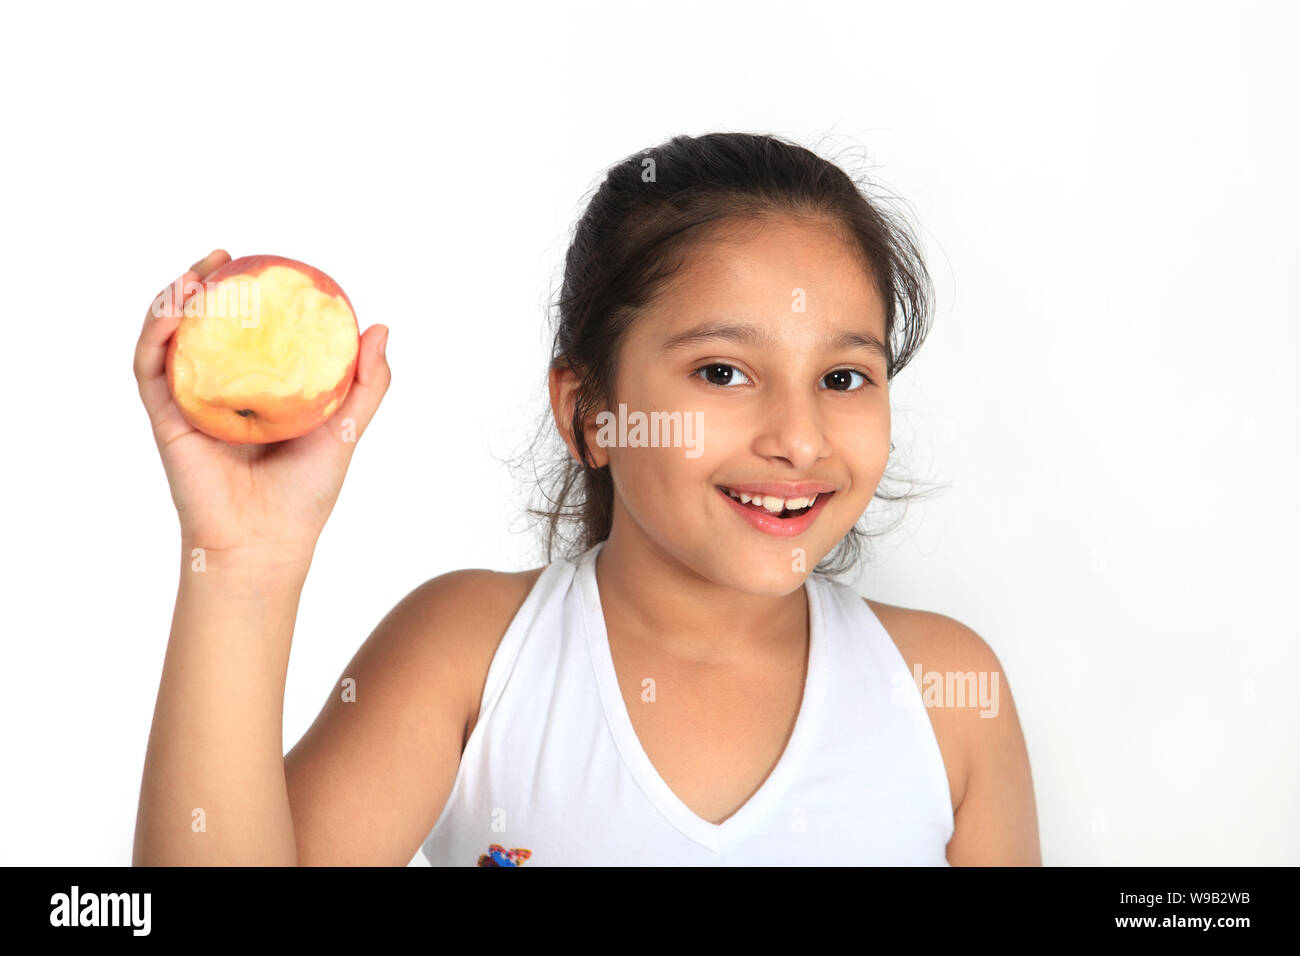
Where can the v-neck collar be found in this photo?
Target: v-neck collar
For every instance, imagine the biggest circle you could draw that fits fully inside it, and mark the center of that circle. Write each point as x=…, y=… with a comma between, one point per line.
x=712, y=836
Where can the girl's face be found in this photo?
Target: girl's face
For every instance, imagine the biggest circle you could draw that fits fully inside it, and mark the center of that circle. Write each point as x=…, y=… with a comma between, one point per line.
x=763, y=345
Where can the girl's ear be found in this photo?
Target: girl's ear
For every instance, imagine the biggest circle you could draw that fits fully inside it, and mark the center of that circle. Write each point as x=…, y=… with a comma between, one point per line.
x=564, y=383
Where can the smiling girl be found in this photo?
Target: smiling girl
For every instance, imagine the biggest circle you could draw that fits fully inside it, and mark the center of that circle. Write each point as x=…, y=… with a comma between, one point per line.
x=685, y=684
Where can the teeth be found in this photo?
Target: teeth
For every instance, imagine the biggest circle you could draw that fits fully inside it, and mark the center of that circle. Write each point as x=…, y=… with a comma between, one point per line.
x=771, y=503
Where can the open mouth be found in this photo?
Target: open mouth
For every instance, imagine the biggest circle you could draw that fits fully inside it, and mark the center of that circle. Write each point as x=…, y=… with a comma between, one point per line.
x=772, y=506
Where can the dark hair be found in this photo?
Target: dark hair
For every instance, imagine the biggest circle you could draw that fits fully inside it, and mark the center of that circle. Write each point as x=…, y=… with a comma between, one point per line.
x=637, y=232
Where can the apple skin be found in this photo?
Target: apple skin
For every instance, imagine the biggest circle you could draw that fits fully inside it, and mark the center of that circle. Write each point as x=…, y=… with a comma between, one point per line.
x=274, y=417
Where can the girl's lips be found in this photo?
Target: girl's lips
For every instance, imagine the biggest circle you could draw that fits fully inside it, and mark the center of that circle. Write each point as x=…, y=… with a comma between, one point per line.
x=769, y=523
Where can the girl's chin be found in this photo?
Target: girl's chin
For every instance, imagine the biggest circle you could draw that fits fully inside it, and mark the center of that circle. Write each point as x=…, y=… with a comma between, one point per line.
x=773, y=571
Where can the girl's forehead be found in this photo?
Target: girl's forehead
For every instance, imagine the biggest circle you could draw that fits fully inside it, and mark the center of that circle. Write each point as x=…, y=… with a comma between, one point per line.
x=770, y=264
x=777, y=288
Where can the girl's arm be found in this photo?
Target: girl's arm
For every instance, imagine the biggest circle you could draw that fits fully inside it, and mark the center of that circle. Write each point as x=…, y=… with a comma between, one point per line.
x=370, y=777
x=213, y=792
x=214, y=788
x=996, y=823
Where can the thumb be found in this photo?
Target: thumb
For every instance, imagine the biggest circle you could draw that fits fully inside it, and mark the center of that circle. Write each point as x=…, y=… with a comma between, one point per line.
x=372, y=379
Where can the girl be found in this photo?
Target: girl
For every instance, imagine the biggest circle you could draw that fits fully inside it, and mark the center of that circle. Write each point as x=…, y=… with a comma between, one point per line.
x=678, y=688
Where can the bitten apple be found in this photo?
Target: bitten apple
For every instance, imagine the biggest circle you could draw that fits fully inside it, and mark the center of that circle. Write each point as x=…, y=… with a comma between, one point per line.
x=265, y=352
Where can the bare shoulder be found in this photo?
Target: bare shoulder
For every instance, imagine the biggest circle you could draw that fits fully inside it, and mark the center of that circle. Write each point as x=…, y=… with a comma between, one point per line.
x=455, y=621
x=974, y=717
x=491, y=599
x=929, y=641
x=932, y=639
x=470, y=610
x=372, y=774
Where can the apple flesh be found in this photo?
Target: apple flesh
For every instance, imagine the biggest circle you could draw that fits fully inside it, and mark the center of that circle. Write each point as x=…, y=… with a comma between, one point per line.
x=265, y=352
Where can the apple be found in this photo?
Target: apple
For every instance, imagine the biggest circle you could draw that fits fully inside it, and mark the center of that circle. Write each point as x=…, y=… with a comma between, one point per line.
x=264, y=352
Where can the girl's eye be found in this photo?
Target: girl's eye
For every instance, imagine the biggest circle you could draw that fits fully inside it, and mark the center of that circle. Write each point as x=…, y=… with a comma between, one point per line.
x=728, y=376
x=727, y=373
x=841, y=375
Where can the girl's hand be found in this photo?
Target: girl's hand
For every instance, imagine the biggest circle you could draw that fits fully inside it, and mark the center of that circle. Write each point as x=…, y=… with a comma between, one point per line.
x=272, y=498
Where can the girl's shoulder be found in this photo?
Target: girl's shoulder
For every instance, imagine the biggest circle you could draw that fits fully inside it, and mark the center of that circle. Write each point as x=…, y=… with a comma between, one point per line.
x=975, y=720
x=489, y=599
x=484, y=602
x=944, y=655
x=937, y=637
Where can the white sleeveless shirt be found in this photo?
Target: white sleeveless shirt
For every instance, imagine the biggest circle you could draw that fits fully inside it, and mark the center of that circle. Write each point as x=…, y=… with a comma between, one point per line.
x=554, y=775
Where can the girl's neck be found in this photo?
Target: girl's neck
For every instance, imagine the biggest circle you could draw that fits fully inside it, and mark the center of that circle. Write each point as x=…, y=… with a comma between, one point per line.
x=650, y=597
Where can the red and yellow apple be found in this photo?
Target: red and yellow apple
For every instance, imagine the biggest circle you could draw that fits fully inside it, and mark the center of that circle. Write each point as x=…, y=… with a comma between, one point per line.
x=265, y=351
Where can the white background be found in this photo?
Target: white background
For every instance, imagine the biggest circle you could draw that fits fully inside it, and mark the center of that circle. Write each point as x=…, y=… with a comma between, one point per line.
x=1108, y=198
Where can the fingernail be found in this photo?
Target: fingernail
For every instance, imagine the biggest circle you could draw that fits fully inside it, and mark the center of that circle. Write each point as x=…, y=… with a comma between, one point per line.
x=383, y=343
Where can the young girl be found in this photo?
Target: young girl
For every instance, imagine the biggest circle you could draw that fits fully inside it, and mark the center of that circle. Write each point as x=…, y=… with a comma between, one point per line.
x=679, y=688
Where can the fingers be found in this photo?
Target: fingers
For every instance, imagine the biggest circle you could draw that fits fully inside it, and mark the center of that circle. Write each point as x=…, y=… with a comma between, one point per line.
x=160, y=322
x=170, y=301
x=167, y=308
x=371, y=383
x=209, y=263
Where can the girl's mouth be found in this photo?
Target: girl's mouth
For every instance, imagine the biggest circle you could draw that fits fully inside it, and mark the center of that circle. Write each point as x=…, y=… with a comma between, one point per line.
x=786, y=522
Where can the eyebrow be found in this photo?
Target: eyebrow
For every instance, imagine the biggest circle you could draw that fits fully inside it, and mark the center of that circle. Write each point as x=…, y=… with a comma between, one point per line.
x=762, y=338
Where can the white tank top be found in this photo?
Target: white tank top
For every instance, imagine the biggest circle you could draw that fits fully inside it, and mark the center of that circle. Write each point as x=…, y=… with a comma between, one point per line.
x=554, y=775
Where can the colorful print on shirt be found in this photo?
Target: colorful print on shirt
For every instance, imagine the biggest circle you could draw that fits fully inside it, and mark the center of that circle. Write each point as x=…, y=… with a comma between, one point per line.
x=497, y=855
